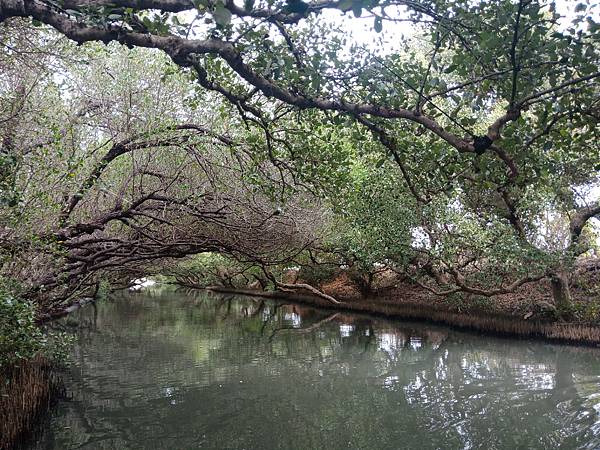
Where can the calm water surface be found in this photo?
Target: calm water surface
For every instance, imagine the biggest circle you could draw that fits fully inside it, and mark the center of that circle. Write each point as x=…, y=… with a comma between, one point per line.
x=199, y=371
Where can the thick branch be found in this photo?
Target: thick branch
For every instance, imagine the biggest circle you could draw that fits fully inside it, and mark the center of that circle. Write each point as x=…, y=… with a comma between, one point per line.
x=580, y=219
x=182, y=52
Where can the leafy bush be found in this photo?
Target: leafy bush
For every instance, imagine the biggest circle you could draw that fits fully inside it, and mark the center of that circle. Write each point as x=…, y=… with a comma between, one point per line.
x=103, y=291
x=316, y=274
x=374, y=220
x=20, y=337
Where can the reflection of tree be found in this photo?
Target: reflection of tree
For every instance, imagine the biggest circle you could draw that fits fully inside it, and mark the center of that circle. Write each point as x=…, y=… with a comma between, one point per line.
x=308, y=329
x=224, y=372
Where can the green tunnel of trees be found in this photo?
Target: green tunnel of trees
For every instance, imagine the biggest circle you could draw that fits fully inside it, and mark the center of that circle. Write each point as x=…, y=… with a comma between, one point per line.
x=454, y=143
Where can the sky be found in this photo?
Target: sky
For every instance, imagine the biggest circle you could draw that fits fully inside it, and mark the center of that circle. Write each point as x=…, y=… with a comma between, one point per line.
x=362, y=33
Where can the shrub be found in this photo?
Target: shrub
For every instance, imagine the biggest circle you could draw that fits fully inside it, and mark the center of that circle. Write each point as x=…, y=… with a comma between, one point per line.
x=316, y=274
x=27, y=356
x=20, y=337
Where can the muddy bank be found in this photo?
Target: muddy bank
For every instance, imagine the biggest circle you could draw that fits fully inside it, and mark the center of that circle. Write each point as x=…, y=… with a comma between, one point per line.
x=488, y=323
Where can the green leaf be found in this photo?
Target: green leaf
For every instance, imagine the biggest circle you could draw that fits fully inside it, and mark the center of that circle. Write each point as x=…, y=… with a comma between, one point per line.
x=297, y=6
x=315, y=83
x=222, y=15
x=451, y=68
x=200, y=4
x=378, y=25
x=345, y=5
x=357, y=9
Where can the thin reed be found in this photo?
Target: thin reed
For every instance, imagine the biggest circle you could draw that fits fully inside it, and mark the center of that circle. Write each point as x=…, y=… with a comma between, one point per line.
x=26, y=392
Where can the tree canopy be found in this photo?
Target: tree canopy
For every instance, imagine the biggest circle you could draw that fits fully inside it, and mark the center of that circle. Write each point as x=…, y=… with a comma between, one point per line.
x=460, y=147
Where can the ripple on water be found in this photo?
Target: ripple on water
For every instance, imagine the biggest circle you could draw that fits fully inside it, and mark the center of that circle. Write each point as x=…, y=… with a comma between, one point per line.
x=210, y=372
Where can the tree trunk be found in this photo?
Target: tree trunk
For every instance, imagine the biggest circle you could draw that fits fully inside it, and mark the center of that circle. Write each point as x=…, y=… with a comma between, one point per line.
x=561, y=292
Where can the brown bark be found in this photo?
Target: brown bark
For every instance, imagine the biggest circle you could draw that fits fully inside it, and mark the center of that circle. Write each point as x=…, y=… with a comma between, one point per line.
x=561, y=291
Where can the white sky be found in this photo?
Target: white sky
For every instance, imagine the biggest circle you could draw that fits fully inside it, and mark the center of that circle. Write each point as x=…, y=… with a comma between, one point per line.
x=361, y=32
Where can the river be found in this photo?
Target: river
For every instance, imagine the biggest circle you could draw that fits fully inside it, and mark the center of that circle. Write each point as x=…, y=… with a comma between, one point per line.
x=170, y=370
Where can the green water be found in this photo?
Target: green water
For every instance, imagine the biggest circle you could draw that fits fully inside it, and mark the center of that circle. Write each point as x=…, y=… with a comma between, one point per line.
x=200, y=371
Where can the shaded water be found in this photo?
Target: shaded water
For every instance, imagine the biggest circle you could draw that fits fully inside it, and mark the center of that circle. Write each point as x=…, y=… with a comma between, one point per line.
x=200, y=371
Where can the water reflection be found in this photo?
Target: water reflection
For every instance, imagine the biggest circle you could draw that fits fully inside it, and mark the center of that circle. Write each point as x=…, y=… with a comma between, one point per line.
x=175, y=371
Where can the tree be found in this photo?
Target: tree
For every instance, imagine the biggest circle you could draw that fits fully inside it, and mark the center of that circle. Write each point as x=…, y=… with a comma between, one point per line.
x=494, y=115
x=129, y=166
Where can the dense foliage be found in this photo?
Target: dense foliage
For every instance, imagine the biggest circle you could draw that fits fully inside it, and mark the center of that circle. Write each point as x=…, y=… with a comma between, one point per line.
x=21, y=339
x=458, y=146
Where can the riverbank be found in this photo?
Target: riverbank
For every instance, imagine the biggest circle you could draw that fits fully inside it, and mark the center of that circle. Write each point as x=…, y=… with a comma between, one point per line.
x=521, y=316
